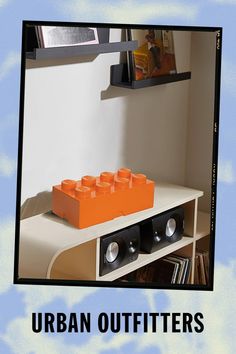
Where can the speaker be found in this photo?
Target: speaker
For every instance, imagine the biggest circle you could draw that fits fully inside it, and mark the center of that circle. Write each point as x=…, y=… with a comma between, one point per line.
x=161, y=230
x=119, y=248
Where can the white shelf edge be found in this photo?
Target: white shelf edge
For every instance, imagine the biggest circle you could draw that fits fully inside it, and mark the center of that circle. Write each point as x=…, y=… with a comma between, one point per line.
x=43, y=226
x=146, y=258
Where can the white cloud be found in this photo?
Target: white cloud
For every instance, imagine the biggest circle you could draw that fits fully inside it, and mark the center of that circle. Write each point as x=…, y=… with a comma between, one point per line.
x=218, y=336
x=38, y=296
x=98, y=343
x=128, y=11
x=4, y=2
x=150, y=296
x=225, y=172
x=7, y=237
x=21, y=339
x=229, y=76
x=225, y=2
x=7, y=165
x=11, y=60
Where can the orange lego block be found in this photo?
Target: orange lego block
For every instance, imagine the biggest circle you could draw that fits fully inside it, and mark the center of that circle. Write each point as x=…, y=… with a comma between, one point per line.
x=93, y=200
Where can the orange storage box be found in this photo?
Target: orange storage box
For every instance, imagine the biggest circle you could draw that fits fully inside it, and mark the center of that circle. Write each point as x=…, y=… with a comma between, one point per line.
x=93, y=200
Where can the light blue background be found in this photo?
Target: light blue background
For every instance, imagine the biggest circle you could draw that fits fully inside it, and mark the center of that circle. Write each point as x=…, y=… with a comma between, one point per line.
x=17, y=302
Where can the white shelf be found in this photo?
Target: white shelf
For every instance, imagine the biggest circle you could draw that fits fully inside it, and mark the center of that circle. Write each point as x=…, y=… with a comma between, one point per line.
x=44, y=237
x=203, y=225
x=145, y=258
x=50, y=228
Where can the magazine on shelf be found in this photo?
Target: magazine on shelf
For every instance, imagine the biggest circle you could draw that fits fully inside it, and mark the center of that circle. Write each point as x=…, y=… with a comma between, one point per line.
x=155, y=55
x=183, y=267
x=172, y=269
x=51, y=36
x=201, y=267
x=130, y=58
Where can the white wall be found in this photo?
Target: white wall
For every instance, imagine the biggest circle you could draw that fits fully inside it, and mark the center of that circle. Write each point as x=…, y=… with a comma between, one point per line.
x=201, y=115
x=75, y=123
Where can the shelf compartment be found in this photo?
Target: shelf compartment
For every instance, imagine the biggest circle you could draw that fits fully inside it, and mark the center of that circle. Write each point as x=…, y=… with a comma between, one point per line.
x=144, y=259
x=75, y=51
x=203, y=243
x=203, y=225
x=119, y=77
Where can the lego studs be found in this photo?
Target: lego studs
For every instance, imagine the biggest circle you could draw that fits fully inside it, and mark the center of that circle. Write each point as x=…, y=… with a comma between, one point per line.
x=107, y=177
x=83, y=192
x=103, y=188
x=138, y=179
x=103, y=185
x=124, y=172
x=88, y=181
x=68, y=184
x=92, y=200
x=121, y=183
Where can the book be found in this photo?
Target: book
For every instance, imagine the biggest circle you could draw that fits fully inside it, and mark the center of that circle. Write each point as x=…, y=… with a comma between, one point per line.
x=171, y=269
x=183, y=264
x=59, y=36
x=187, y=278
x=206, y=264
x=130, y=58
x=165, y=271
x=155, y=55
x=201, y=267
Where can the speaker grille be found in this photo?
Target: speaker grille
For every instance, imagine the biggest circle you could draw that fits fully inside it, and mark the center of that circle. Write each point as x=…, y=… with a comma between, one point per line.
x=112, y=252
x=170, y=227
x=119, y=248
x=162, y=229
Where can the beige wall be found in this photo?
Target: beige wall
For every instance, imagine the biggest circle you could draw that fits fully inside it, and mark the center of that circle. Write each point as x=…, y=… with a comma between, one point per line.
x=201, y=115
x=75, y=123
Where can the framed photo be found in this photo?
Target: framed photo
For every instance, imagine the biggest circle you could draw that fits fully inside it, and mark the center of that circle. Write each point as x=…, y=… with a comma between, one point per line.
x=58, y=36
x=155, y=54
x=77, y=222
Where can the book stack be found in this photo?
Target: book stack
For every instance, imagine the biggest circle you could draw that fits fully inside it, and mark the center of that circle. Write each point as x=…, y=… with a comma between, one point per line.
x=201, y=271
x=171, y=269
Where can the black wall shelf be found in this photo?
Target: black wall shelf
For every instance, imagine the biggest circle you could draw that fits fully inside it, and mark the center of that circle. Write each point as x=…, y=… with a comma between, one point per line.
x=119, y=77
x=74, y=51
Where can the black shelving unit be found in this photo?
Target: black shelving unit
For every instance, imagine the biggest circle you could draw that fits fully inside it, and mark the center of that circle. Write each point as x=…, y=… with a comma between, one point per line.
x=119, y=77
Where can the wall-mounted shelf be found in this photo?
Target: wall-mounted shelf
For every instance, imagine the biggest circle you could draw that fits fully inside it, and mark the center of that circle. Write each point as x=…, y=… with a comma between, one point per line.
x=75, y=51
x=119, y=77
x=104, y=46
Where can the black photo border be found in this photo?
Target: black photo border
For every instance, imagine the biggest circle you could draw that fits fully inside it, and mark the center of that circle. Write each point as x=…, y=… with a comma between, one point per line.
x=110, y=284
